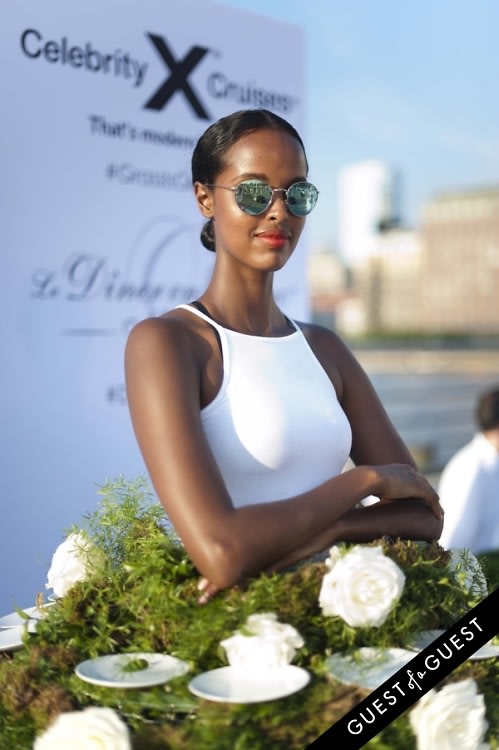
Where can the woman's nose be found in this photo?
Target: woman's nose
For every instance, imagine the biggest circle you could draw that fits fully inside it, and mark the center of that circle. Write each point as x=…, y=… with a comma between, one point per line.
x=279, y=204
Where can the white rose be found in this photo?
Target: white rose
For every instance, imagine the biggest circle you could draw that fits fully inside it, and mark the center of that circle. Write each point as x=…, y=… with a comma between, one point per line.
x=263, y=642
x=449, y=719
x=90, y=729
x=362, y=586
x=70, y=564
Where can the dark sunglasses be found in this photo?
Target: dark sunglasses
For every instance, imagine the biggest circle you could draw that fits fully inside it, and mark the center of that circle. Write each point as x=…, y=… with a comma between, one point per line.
x=254, y=196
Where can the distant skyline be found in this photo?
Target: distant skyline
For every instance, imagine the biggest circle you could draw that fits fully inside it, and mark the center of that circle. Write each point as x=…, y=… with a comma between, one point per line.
x=411, y=84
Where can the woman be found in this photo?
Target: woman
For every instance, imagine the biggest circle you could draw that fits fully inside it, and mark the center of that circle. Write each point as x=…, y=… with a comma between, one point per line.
x=245, y=418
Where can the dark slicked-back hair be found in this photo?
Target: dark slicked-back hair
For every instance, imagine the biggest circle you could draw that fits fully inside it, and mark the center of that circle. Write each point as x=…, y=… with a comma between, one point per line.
x=208, y=158
x=487, y=410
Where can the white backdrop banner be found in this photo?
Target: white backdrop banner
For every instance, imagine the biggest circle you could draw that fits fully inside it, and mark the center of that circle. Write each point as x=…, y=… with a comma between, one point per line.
x=102, y=106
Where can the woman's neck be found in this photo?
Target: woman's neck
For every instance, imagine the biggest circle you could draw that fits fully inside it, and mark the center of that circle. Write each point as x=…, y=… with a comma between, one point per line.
x=245, y=308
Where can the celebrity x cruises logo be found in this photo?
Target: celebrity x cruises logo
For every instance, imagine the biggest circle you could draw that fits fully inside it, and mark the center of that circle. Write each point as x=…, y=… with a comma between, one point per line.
x=117, y=63
x=103, y=59
x=177, y=80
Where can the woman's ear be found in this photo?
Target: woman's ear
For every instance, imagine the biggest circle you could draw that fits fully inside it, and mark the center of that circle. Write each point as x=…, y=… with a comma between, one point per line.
x=204, y=199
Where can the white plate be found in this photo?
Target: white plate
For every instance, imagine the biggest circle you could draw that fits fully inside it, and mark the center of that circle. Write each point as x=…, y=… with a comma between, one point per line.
x=369, y=667
x=109, y=670
x=426, y=638
x=232, y=685
x=11, y=638
x=14, y=620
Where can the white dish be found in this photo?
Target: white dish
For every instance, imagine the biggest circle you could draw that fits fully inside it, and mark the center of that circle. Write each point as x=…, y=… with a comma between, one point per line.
x=368, y=667
x=426, y=637
x=11, y=638
x=14, y=619
x=110, y=671
x=233, y=685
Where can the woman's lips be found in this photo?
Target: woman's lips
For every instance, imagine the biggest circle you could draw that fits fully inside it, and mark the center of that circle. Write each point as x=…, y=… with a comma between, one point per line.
x=274, y=239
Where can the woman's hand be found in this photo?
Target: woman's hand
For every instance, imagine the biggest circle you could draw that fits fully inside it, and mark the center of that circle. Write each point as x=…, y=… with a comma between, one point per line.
x=402, y=481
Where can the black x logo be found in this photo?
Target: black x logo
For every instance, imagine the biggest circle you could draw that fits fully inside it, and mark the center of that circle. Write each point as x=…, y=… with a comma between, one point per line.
x=177, y=81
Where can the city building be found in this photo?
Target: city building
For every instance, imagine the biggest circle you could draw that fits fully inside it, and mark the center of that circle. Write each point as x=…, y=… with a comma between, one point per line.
x=460, y=235
x=389, y=284
x=369, y=198
x=442, y=279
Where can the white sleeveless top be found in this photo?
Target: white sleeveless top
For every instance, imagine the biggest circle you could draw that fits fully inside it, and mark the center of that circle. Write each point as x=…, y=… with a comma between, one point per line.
x=275, y=428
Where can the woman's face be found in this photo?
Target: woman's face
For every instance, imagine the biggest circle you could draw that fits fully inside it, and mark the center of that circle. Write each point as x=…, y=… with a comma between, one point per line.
x=264, y=242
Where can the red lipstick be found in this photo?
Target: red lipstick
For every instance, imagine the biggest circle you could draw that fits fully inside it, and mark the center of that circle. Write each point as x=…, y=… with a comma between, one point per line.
x=274, y=239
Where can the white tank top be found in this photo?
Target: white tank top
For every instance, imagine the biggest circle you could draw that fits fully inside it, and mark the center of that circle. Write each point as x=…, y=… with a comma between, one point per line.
x=276, y=428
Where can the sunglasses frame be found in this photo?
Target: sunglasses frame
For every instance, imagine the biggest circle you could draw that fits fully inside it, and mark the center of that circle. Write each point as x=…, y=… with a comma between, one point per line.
x=274, y=190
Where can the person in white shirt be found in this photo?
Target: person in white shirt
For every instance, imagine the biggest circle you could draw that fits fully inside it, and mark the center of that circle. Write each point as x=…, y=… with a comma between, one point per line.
x=469, y=485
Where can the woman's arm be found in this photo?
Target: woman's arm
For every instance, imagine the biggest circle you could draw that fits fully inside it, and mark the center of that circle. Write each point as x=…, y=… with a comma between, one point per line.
x=163, y=375
x=358, y=525
x=365, y=524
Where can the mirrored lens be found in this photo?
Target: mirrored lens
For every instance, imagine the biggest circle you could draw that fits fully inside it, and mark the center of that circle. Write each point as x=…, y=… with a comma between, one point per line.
x=302, y=197
x=253, y=197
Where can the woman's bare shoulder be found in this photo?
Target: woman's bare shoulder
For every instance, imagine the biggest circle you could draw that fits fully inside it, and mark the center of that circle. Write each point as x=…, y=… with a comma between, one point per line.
x=163, y=375
x=176, y=330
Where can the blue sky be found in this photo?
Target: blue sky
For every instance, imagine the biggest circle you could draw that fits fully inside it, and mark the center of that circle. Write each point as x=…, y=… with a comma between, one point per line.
x=415, y=84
